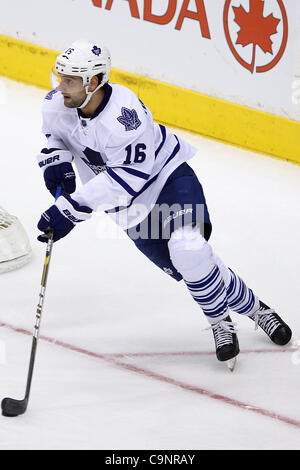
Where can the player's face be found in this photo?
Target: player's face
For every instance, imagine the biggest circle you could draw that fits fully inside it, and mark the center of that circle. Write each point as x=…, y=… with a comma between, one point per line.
x=72, y=90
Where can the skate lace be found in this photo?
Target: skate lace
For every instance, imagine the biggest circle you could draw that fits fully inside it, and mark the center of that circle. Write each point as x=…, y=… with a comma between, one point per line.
x=266, y=320
x=223, y=331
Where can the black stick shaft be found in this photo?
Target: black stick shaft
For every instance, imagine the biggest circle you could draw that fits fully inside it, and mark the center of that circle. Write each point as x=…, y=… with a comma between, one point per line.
x=39, y=314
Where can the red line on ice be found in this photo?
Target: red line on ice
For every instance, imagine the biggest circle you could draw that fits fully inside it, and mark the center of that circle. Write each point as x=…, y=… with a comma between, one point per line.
x=115, y=360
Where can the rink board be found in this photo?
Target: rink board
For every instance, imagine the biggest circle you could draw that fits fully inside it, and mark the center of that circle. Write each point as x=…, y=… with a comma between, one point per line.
x=177, y=107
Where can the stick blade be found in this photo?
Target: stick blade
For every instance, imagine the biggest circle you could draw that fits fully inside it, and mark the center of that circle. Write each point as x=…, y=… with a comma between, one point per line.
x=231, y=363
x=12, y=408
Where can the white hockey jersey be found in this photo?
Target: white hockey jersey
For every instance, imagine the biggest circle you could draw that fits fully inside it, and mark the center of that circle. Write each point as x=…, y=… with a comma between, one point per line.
x=122, y=157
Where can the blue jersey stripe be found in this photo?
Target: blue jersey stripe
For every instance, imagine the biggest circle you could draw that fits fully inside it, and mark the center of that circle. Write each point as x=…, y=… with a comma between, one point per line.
x=121, y=182
x=134, y=172
x=175, y=151
x=149, y=182
x=47, y=151
x=164, y=134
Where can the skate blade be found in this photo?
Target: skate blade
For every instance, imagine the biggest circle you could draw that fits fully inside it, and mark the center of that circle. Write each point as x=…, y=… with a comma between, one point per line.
x=231, y=363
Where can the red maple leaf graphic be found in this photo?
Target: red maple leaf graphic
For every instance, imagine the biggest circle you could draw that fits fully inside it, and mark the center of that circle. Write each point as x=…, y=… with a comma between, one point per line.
x=255, y=28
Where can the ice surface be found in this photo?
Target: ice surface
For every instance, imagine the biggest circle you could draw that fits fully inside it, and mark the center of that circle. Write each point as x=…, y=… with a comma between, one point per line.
x=132, y=367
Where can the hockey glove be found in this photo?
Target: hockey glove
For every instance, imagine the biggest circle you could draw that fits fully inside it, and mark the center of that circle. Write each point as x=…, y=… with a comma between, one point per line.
x=62, y=218
x=57, y=170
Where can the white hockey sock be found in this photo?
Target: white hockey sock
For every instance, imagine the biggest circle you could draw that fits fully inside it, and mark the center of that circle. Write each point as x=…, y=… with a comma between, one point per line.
x=192, y=256
x=210, y=294
x=240, y=297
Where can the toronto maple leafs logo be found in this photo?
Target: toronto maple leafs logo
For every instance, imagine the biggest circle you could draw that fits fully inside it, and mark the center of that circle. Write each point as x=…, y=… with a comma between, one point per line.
x=94, y=160
x=129, y=119
x=95, y=168
x=96, y=50
x=254, y=34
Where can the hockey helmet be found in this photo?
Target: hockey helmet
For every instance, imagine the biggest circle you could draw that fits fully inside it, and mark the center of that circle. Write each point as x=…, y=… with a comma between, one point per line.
x=83, y=59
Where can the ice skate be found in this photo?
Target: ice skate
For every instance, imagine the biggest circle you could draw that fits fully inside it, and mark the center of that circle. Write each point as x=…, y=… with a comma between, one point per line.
x=271, y=323
x=226, y=341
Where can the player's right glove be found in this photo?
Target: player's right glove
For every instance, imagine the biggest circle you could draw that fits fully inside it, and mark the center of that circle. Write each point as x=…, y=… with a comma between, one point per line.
x=58, y=170
x=62, y=217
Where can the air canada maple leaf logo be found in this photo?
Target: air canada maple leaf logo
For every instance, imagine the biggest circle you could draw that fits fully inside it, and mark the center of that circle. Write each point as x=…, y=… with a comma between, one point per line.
x=258, y=31
x=255, y=28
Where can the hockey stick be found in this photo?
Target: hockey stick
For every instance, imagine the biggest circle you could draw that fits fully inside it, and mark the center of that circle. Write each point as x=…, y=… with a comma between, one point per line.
x=10, y=406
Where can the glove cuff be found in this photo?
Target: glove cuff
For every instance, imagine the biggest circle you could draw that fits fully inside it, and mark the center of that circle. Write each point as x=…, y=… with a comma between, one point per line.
x=51, y=157
x=72, y=210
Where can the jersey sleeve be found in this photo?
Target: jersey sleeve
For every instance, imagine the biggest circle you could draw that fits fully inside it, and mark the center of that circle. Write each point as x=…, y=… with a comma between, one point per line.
x=128, y=168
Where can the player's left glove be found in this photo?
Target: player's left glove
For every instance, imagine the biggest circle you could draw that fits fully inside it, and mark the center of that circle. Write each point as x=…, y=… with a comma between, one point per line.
x=62, y=217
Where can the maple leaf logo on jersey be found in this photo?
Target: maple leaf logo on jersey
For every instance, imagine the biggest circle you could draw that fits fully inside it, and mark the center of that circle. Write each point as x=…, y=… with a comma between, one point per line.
x=129, y=119
x=256, y=29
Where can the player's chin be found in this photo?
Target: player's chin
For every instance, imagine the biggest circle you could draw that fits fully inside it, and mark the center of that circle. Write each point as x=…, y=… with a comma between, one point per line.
x=68, y=102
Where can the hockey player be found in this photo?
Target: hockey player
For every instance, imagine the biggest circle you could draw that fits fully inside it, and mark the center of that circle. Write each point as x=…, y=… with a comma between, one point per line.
x=136, y=171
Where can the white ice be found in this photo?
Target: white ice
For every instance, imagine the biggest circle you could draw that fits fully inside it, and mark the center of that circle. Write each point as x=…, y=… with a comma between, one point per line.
x=105, y=297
